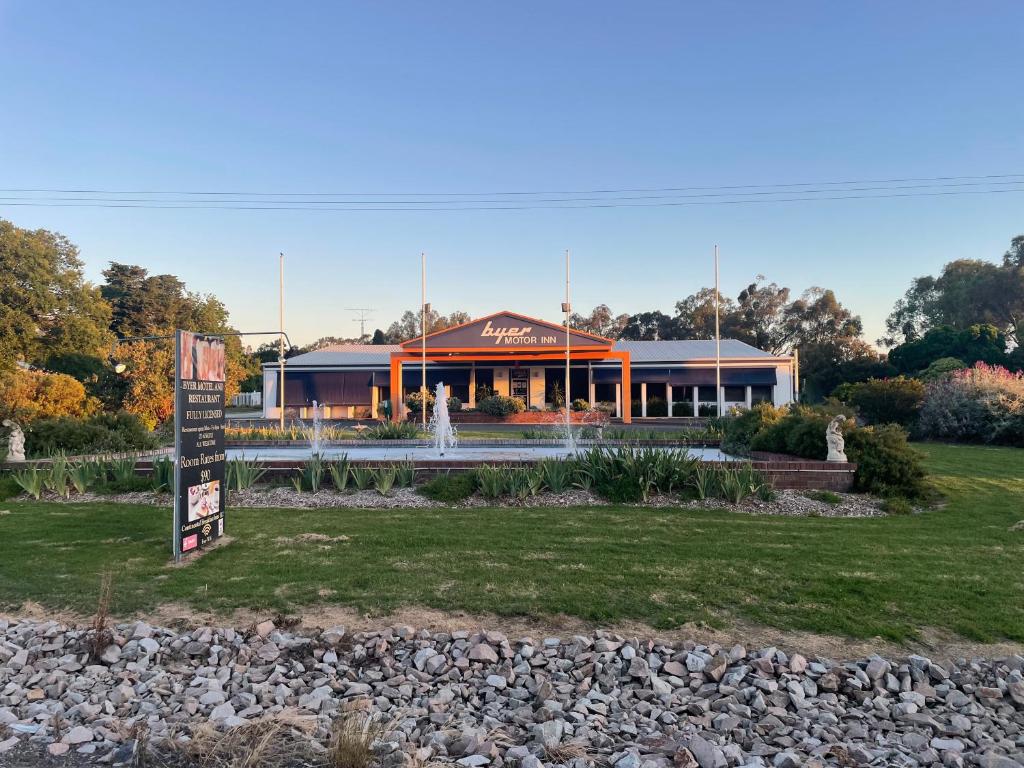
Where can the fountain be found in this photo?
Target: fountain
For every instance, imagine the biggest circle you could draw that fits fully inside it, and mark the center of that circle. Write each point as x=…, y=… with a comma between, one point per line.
x=440, y=426
x=318, y=412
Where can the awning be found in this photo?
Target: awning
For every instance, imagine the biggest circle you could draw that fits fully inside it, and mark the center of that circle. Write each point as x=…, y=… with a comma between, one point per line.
x=327, y=387
x=413, y=377
x=689, y=377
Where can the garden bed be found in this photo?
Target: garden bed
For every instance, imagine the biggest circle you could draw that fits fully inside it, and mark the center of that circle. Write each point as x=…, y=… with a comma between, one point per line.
x=789, y=503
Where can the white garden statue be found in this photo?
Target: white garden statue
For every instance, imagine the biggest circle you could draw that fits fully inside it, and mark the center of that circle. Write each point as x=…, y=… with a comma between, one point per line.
x=834, y=438
x=15, y=442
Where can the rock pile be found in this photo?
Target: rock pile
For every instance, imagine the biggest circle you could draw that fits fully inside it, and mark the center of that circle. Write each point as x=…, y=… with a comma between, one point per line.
x=487, y=700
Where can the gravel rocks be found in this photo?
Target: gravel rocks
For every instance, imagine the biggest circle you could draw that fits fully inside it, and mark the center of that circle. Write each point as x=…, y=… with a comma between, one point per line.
x=786, y=503
x=485, y=699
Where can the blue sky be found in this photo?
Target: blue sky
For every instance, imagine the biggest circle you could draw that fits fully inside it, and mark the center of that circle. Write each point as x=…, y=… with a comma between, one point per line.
x=477, y=97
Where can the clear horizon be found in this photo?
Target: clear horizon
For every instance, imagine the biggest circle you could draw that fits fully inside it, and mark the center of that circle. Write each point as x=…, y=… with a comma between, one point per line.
x=582, y=96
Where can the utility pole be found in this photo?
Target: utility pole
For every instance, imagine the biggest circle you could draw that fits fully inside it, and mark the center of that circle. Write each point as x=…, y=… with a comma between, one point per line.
x=718, y=344
x=361, y=318
x=567, y=308
x=280, y=340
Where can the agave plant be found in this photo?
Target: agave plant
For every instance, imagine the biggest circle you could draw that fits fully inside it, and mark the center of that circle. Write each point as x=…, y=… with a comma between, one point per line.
x=492, y=481
x=84, y=474
x=340, y=470
x=313, y=472
x=406, y=474
x=56, y=477
x=362, y=477
x=30, y=481
x=524, y=483
x=384, y=479
x=704, y=481
x=122, y=470
x=241, y=474
x=557, y=474
x=162, y=478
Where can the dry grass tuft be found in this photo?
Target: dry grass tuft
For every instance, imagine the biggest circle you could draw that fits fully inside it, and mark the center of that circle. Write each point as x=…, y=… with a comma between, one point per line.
x=353, y=736
x=266, y=743
x=101, y=636
x=563, y=753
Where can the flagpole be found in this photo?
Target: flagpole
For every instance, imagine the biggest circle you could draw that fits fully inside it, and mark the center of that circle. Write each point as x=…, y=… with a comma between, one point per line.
x=567, y=308
x=280, y=341
x=718, y=344
x=423, y=339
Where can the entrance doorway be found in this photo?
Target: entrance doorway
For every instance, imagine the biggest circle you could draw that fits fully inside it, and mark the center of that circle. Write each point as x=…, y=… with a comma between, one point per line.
x=519, y=379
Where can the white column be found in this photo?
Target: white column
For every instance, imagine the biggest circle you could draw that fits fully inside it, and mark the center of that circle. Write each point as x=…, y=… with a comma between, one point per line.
x=591, y=387
x=696, y=402
x=643, y=399
x=471, y=400
x=746, y=396
x=668, y=397
x=618, y=400
x=374, y=399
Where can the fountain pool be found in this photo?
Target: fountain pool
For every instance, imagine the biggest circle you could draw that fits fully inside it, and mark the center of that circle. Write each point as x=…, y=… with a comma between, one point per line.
x=425, y=451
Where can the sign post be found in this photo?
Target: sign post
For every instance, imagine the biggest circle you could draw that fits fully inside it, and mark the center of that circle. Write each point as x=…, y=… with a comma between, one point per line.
x=199, y=456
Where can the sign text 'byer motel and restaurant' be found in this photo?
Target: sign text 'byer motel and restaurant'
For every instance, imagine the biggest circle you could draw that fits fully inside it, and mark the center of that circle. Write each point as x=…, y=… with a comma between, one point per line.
x=199, y=456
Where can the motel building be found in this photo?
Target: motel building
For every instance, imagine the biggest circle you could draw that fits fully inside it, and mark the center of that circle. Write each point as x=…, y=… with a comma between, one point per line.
x=524, y=357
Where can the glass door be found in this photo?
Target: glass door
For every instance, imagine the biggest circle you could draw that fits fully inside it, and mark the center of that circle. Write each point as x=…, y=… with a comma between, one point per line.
x=519, y=379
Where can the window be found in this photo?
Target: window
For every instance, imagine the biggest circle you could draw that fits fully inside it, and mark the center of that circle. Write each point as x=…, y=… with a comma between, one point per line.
x=735, y=394
x=762, y=393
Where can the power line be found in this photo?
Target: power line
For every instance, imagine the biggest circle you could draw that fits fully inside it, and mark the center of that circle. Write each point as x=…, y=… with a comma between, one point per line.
x=140, y=199
x=473, y=206
x=517, y=192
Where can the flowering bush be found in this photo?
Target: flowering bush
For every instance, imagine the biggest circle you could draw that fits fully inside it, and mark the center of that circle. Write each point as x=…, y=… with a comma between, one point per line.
x=983, y=404
x=29, y=395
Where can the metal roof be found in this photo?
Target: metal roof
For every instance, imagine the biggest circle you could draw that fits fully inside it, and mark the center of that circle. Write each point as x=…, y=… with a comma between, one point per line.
x=346, y=354
x=681, y=350
x=677, y=351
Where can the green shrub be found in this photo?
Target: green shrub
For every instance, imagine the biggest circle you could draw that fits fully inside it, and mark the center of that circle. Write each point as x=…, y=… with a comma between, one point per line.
x=501, y=406
x=454, y=404
x=579, y=404
x=30, y=481
x=886, y=464
x=897, y=505
x=449, y=488
x=629, y=473
x=9, y=487
x=95, y=434
x=657, y=406
x=707, y=409
x=557, y=474
x=886, y=401
x=384, y=479
x=739, y=430
x=414, y=402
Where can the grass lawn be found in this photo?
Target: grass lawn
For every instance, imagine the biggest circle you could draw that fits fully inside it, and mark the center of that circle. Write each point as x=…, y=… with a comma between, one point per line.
x=957, y=568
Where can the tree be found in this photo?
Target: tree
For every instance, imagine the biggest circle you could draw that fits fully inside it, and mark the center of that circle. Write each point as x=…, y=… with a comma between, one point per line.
x=144, y=305
x=650, y=326
x=46, y=305
x=695, y=315
x=967, y=292
x=27, y=395
x=150, y=380
x=760, y=316
x=378, y=337
x=408, y=326
x=600, y=322
x=983, y=343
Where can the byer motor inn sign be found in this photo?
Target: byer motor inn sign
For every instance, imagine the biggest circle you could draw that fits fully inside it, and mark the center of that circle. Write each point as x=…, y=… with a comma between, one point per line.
x=513, y=334
x=507, y=329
